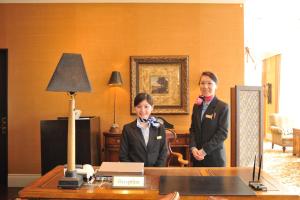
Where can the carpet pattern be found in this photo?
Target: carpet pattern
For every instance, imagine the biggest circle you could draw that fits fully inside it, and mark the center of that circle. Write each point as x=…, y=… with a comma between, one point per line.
x=284, y=167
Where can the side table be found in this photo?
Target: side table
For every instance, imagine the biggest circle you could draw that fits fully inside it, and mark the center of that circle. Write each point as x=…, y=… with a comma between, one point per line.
x=296, y=142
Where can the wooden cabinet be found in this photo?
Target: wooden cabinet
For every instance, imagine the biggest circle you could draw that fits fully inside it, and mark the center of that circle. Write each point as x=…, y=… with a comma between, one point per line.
x=54, y=142
x=112, y=145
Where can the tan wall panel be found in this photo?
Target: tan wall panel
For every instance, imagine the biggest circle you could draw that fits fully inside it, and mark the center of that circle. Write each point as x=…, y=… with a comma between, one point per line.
x=271, y=74
x=106, y=35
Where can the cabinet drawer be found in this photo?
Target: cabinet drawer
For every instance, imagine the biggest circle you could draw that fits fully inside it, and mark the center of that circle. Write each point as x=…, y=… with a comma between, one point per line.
x=112, y=140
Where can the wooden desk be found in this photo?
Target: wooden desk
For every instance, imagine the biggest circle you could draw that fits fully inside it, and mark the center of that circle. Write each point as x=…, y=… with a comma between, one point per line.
x=296, y=142
x=46, y=186
x=112, y=145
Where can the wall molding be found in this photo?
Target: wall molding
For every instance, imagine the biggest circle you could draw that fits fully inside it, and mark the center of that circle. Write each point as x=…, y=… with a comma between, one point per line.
x=21, y=180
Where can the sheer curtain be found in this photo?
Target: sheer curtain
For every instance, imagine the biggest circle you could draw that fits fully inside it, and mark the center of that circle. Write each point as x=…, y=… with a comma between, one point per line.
x=289, y=99
x=274, y=26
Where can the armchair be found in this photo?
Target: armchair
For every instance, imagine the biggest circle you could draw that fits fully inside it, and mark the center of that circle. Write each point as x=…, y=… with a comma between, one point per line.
x=281, y=130
x=170, y=137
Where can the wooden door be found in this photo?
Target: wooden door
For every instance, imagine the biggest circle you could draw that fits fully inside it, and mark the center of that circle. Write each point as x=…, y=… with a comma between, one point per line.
x=3, y=119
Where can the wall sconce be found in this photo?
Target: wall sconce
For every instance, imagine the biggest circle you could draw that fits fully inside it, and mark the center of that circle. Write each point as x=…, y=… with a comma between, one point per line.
x=115, y=81
x=70, y=76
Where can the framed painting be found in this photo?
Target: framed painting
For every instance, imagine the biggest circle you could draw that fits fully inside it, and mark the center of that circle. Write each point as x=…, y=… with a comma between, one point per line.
x=165, y=78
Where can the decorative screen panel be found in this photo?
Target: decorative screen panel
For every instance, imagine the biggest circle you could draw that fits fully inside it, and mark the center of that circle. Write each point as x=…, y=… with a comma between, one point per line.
x=246, y=124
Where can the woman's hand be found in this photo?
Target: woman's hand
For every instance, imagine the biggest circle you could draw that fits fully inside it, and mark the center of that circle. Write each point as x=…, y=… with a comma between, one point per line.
x=198, y=154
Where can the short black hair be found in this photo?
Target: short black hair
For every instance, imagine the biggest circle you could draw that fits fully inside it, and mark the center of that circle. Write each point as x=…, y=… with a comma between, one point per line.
x=211, y=75
x=141, y=97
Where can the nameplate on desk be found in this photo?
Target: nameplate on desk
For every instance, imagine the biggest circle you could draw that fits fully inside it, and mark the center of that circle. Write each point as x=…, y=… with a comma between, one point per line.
x=128, y=182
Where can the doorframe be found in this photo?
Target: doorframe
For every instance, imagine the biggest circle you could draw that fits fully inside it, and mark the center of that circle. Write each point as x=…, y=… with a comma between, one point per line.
x=3, y=118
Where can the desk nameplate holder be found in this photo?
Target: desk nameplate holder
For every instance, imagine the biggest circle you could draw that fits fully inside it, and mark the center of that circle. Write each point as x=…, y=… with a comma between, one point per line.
x=256, y=185
x=128, y=182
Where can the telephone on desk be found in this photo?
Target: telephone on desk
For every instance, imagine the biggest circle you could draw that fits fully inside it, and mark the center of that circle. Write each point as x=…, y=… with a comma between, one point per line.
x=165, y=123
x=86, y=171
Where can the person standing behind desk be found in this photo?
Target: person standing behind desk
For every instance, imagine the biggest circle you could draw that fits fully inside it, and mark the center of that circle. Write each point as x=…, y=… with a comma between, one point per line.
x=144, y=139
x=209, y=126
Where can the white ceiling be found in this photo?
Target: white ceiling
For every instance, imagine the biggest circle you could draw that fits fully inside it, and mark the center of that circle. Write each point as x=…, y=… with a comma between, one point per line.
x=271, y=27
x=122, y=1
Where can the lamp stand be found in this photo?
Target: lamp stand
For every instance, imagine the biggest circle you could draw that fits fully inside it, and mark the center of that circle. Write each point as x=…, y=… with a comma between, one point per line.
x=71, y=180
x=114, y=127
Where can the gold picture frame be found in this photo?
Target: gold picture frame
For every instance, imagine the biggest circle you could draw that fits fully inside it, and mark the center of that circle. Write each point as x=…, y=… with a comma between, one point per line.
x=165, y=78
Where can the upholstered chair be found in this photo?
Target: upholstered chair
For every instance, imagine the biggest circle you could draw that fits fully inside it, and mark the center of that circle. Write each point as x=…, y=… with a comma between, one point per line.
x=281, y=130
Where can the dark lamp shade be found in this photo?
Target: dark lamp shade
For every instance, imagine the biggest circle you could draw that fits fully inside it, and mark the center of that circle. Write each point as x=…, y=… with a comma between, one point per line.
x=115, y=79
x=70, y=75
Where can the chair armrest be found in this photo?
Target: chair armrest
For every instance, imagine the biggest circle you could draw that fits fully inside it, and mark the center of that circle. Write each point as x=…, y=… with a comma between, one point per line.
x=180, y=159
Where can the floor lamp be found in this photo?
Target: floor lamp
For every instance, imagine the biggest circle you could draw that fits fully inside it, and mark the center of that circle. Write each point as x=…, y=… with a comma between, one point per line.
x=70, y=76
x=115, y=81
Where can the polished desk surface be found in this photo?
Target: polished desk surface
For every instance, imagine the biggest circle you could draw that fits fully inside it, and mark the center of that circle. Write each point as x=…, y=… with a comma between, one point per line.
x=46, y=186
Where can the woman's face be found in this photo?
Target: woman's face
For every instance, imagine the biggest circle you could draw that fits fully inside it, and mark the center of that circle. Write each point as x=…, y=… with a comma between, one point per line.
x=207, y=86
x=143, y=109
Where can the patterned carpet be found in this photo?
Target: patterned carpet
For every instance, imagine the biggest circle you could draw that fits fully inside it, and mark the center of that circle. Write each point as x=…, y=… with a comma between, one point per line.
x=282, y=166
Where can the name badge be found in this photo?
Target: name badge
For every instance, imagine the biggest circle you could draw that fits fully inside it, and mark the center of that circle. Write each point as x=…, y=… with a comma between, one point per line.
x=209, y=116
x=159, y=137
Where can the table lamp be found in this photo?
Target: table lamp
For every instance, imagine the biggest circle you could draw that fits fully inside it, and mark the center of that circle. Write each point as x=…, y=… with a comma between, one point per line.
x=70, y=76
x=115, y=81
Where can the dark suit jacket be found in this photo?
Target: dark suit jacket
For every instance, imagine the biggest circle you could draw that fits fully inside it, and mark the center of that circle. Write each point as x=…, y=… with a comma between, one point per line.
x=133, y=147
x=210, y=133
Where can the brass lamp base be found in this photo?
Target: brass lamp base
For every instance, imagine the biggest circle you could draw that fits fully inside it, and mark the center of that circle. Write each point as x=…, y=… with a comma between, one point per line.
x=71, y=180
x=114, y=128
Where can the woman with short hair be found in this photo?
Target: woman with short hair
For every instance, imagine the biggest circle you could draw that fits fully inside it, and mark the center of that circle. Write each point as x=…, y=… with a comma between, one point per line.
x=144, y=139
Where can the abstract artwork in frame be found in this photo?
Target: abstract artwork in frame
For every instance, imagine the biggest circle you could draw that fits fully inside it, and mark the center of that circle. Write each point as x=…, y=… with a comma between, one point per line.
x=165, y=78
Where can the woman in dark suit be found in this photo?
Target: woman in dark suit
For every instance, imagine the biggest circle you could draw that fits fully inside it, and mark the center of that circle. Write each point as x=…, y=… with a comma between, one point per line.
x=209, y=127
x=144, y=139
